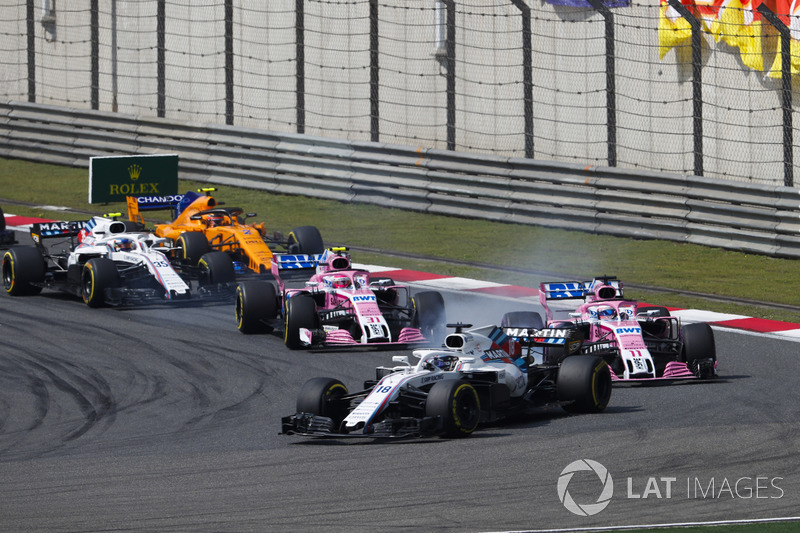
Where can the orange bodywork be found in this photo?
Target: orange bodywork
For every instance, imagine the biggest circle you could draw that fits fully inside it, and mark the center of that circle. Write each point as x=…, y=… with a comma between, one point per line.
x=224, y=232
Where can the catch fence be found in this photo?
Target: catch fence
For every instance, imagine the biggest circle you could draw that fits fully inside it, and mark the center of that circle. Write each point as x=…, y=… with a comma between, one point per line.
x=516, y=78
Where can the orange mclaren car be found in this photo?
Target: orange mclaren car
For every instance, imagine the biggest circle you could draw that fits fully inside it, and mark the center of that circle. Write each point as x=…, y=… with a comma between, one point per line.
x=202, y=224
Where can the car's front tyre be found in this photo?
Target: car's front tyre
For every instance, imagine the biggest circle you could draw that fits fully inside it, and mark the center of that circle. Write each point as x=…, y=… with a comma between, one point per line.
x=318, y=396
x=456, y=404
x=301, y=313
x=98, y=275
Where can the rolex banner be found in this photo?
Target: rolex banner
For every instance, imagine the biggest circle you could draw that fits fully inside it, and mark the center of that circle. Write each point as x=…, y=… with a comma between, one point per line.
x=112, y=178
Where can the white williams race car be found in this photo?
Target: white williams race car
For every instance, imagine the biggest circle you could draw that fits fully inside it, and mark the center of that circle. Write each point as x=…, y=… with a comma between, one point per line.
x=480, y=375
x=107, y=262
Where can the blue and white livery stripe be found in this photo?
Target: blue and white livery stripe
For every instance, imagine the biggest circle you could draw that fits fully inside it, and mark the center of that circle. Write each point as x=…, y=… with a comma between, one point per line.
x=289, y=262
x=559, y=291
x=551, y=341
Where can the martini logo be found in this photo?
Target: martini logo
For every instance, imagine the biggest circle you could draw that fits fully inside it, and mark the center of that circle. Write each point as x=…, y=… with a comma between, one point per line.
x=606, y=492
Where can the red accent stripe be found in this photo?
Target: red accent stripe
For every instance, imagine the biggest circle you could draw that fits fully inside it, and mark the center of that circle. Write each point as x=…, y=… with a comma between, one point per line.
x=17, y=220
x=760, y=325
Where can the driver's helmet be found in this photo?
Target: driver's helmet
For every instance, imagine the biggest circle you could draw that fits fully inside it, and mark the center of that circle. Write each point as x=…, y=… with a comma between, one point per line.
x=445, y=362
x=606, y=312
x=123, y=245
x=340, y=282
x=215, y=220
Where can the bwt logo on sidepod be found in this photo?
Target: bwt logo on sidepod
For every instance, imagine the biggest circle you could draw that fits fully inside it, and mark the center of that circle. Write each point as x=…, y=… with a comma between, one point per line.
x=585, y=509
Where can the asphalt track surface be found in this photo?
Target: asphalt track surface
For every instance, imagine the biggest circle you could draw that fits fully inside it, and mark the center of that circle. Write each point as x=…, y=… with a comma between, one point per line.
x=164, y=419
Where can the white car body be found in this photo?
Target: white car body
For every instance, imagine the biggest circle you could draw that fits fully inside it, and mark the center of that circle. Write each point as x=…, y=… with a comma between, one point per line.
x=101, y=237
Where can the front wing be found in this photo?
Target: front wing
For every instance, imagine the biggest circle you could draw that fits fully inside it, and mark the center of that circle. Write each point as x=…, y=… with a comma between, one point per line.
x=309, y=425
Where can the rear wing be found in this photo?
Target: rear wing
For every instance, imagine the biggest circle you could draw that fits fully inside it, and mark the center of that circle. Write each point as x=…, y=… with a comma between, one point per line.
x=176, y=203
x=137, y=204
x=560, y=341
x=600, y=288
x=294, y=266
x=64, y=229
x=541, y=337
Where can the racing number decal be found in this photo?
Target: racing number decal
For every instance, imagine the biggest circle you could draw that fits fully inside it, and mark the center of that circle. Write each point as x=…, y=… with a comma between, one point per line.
x=638, y=361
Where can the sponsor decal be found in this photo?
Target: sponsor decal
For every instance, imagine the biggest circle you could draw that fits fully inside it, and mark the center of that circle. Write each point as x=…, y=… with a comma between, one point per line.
x=431, y=379
x=490, y=355
x=540, y=333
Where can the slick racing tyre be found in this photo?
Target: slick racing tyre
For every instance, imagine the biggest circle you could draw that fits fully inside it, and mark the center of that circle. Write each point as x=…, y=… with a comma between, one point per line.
x=256, y=302
x=301, y=312
x=23, y=266
x=216, y=268
x=429, y=314
x=699, y=349
x=318, y=396
x=305, y=240
x=456, y=404
x=584, y=383
x=98, y=275
x=193, y=245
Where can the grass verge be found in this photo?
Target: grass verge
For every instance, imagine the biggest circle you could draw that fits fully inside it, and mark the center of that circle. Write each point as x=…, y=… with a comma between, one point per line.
x=572, y=254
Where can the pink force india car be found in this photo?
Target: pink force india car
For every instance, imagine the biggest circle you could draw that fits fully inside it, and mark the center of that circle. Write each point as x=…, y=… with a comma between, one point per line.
x=324, y=301
x=639, y=343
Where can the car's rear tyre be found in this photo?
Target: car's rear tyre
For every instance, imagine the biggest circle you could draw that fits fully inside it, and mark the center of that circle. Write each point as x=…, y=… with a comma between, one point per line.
x=23, y=266
x=522, y=319
x=193, y=245
x=318, y=396
x=98, y=275
x=699, y=349
x=216, y=268
x=584, y=382
x=305, y=240
x=2, y=220
x=301, y=312
x=457, y=405
x=429, y=314
x=256, y=302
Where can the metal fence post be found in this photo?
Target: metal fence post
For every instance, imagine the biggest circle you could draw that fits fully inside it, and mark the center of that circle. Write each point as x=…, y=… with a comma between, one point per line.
x=94, y=24
x=611, y=77
x=786, y=87
x=161, y=53
x=697, y=83
x=374, y=73
x=450, y=44
x=31, y=26
x=229, y=62
x=300, y=31
x=527, y=75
